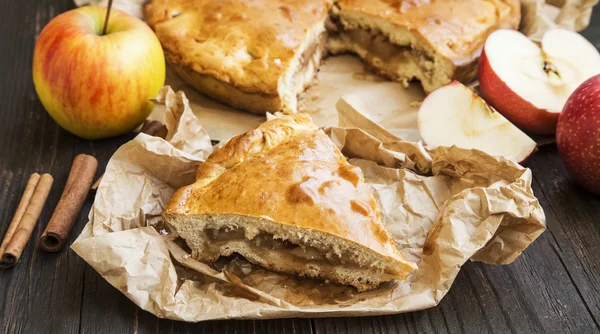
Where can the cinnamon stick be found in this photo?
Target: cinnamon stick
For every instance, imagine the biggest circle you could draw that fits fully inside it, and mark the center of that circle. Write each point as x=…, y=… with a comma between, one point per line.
x=23, y=204
x=70, y=203
x=152, y=128
x=21, y=234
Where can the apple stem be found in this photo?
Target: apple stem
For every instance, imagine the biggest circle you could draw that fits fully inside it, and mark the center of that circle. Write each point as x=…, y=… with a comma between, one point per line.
x=107, y=17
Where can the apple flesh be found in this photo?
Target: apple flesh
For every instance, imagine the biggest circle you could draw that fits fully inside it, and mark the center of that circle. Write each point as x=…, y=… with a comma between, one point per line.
x=578, y=135
x=529, y=85
x=455, y=115
x=97, y=86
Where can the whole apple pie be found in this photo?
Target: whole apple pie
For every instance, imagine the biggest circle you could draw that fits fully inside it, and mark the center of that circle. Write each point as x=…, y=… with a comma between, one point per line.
x=260, y=55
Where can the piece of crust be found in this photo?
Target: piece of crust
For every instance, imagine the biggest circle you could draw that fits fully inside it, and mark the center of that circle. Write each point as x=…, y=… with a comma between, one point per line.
x=286, y=181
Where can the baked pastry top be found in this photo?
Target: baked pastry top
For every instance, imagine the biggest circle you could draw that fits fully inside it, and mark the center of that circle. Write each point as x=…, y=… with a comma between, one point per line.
x=288, y=180
x=442, y=40
x=250, y=45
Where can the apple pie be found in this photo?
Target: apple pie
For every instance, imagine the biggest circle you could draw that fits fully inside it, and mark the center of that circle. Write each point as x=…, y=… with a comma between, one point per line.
x=285, y=198
x=260, y=55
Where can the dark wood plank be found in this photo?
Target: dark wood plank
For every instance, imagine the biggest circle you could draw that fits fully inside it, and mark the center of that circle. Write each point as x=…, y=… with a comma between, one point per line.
x=104, y=309
x=148, y=323
x=574, y=233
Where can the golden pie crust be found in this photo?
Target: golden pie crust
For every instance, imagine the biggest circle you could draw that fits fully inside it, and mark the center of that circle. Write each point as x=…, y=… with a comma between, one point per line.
x=239, y=51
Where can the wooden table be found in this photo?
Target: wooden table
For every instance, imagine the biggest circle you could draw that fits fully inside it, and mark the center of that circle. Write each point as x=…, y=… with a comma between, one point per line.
x=553, y=287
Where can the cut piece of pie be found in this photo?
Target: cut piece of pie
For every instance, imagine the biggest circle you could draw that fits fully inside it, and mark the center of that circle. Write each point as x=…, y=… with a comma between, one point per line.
x=284, y=197
x=257, y=55
x=434, y=42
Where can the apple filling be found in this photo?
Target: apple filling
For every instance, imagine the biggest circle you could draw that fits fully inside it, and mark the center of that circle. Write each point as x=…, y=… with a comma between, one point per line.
x=398, y=62
x=218, y=239
x=264, y=246
x=286, y=248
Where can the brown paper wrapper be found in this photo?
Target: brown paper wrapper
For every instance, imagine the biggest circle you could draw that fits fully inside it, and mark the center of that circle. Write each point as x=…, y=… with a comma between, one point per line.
x=444, y=206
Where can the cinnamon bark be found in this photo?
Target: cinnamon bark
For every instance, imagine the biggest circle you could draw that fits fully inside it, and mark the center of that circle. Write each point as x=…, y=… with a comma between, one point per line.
x=70, y=204
x=21, y=234
x=34, y=179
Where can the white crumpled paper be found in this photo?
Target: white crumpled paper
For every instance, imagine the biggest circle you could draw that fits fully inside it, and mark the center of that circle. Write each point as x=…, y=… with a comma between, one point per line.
x=397, y=106
x=444, y=206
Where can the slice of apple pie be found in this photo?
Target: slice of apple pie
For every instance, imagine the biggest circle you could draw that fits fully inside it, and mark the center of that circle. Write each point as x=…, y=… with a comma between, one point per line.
x=284, y=197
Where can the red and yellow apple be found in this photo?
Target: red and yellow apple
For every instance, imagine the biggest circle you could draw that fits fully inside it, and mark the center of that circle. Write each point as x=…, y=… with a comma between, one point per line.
x=94, y=85
x=529, y=84
x=578, y=135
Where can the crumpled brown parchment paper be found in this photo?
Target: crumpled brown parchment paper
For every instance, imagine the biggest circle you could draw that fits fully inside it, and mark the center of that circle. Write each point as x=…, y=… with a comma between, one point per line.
x=538, y=16
x=444, y=206
x=397, y=106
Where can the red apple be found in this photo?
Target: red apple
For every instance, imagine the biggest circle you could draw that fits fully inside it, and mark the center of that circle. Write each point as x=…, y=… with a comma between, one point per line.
x=529, y=85
x=578, y=134
x=94, y=85
x=455, y=115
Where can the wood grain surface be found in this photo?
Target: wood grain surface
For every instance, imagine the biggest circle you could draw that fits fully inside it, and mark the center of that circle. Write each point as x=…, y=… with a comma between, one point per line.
x=553, y=287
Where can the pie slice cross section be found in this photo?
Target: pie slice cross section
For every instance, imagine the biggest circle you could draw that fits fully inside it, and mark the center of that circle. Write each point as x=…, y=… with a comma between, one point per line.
x=285, y=198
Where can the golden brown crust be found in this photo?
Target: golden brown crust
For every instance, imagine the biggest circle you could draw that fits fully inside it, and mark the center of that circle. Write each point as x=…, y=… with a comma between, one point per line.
x=455, y=29
x=248, y=44
x=289, y=172
x=228, y=93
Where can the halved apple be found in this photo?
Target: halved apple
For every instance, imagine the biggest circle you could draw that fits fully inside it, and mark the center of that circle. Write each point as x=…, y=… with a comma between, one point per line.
x=455, y=115
x=529, y=85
